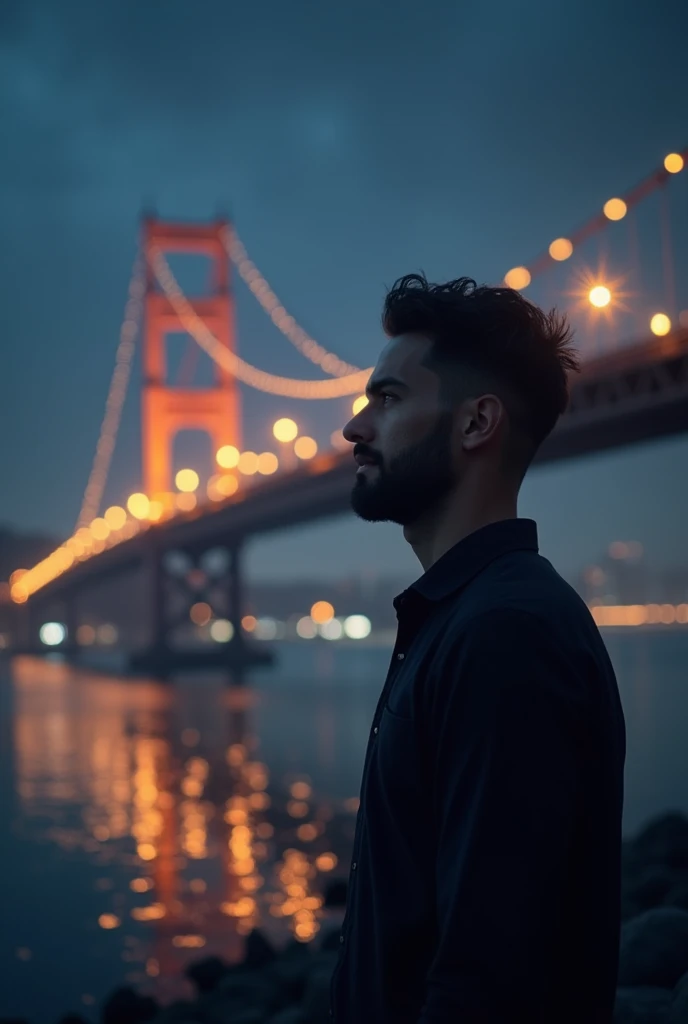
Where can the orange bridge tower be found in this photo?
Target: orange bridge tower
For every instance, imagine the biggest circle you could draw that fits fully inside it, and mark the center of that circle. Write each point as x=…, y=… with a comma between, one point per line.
x=166, y=409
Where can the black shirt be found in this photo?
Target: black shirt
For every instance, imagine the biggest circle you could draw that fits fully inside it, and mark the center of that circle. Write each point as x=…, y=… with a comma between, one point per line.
x=485, y=879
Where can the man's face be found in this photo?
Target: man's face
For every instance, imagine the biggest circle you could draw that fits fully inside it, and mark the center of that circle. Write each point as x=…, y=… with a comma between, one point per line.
x=402, y=439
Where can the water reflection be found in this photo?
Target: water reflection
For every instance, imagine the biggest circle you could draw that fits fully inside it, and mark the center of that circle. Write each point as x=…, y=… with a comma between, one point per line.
x=195, y=844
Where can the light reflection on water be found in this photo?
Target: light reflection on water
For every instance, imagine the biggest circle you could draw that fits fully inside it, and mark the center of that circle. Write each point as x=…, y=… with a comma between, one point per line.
x=149, y=824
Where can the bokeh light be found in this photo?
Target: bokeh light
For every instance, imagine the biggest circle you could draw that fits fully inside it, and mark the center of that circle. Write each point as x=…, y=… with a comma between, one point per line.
x=615, y=209
x=560, y=249
x=660, y=324
x=599, y=296
x=227, y=457
x=673, y=163
x=187, y=481
x=285, y=429
x=52, y=633
x=359, y=403
x=321, y=612
x=248, y=463
x=518, y=278
x=267, y=463
x=139, y=505
x=222, y=631
x=305, y=447
x=115, y=517
x=357, y=627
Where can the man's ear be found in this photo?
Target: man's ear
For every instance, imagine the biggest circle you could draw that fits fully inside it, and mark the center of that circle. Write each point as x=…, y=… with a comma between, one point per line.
x=478, y=421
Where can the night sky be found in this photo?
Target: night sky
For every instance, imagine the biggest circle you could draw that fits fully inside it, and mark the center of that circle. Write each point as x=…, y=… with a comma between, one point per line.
x=352, y=143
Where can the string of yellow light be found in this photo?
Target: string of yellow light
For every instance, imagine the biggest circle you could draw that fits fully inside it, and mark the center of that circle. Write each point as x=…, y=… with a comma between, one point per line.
x=260, y=288
x=288, y=387
x=93, y=495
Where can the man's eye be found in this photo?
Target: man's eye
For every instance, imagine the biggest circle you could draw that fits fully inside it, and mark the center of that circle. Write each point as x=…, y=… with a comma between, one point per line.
x=386, y=396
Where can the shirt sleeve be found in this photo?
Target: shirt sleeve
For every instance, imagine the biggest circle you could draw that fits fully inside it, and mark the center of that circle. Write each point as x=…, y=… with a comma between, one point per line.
x=507, y=727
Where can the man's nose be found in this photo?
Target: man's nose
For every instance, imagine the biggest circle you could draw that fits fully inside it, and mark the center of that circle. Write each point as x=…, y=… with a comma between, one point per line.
x=359, y=429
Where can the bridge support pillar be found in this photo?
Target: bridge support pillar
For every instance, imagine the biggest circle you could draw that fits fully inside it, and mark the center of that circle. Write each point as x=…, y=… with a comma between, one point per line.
x=188, y=590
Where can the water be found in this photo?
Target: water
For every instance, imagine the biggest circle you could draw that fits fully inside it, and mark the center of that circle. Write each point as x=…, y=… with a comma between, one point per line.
x=176, y=813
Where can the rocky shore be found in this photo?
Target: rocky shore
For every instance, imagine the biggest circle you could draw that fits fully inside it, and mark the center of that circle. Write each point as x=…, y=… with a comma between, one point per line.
x=291, y=986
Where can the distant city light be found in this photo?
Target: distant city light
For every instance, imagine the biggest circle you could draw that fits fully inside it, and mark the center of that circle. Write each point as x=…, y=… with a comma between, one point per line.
x=109, y=921
x=187, y=481
x=673, y=163
x=267, y=463
x=285, y=429
x=599, y=296
x=139, y=505
x=359, y=403
x=560, y=249
x=155, y=511
x=357, y=627
x=227, y=456
x=85, y=635
x=248, y=463
x=615, y=209
x=660, y=324
x=248, y=623
x=321, y=612
x=517, y=278
x=305, y=447
x=326, y=862
x=107, y=634
x=115, y=517
x=640, y=614
x=52, y=633
x=200, y=613
x=331, y=630
x=306, y=628
x=266, y=629
x=222, y=631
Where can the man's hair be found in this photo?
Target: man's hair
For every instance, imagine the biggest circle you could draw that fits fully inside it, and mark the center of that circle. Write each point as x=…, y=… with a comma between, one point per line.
x=501, y=339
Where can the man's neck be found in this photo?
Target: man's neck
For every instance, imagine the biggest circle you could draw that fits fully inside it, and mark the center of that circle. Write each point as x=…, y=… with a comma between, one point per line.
x=444, y=526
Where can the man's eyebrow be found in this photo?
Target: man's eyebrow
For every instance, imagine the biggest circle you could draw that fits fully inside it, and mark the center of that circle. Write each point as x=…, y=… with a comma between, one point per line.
x=375, y=386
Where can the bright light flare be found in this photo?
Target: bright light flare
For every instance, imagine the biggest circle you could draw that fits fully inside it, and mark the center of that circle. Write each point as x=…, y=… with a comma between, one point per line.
x=599, y=296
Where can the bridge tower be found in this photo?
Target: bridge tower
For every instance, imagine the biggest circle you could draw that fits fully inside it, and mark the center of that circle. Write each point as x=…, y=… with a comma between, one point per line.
x=166, y=409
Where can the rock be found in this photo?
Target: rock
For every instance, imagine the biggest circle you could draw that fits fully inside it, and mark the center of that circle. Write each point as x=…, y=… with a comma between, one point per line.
x=125, y=1006
x=654, y=948
x=664, y=841
x=651, y=886
x=205, y=974
x=679, y=1002
x=642, y=1006
x=677, y=896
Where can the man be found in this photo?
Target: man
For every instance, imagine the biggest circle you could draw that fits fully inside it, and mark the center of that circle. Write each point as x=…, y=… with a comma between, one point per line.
x=485, y=875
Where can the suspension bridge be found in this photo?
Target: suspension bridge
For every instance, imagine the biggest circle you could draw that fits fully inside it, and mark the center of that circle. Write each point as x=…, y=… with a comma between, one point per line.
x=621, y=276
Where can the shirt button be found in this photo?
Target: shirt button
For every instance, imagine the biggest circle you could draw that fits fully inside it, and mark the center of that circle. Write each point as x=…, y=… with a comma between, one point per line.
x=400, y=656
x=341, y=939
x=375, y=730
x=354, y=866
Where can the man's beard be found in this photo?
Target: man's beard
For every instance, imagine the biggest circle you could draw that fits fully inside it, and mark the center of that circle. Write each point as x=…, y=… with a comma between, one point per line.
x=415, y=480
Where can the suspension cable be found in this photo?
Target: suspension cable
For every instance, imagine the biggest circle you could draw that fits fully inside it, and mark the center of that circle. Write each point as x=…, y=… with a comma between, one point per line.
x=288, y=387
x=117, y=393
x=251, y=276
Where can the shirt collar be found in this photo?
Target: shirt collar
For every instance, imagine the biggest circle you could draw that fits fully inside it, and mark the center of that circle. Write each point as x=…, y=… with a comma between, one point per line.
x=470, y=556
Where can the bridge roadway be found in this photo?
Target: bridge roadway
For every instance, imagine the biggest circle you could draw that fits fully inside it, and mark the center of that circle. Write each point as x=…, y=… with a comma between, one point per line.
x=634, y=395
